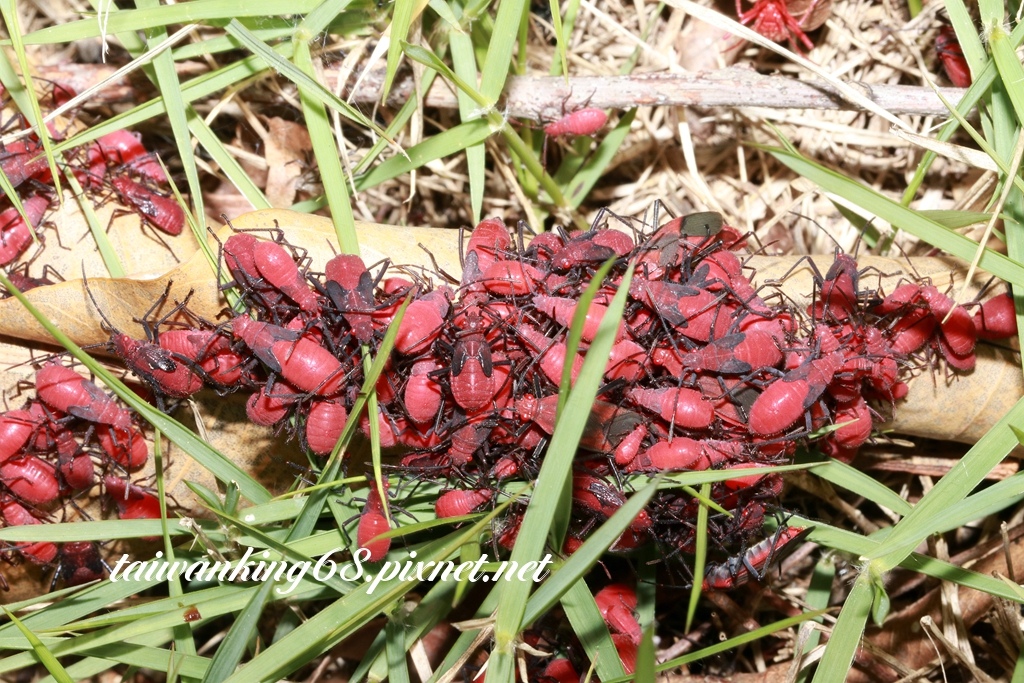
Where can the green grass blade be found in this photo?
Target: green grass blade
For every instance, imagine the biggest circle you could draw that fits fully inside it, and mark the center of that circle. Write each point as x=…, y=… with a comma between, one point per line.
x=645, y=661
x=231, y=650
x=398, y=670
x=194, y=11
x=46, y=657
x=166, y=80
x=579, y=183
x=288, y=70
x=499, y=51
x=699, y=556
x=900, y=216
x=464, y=62
x=857, y=481
x=401, y=20
x=328, y=161
x=33, y=113
x=590, y=628
x=551, y=482
x=846, y=634
x=448, y=143
x=954, y=486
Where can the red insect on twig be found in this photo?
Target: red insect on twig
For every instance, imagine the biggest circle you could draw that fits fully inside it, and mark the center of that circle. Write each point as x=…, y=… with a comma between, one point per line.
x=790, y=20
x=948, y=49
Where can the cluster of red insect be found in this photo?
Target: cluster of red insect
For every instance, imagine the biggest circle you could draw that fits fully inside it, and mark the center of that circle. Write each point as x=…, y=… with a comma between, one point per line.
x=49, y=450
x=116, y=163
x=705, y=373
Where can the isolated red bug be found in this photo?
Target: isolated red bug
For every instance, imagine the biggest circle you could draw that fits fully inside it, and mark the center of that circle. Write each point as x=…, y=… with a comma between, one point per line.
x=617, y=603
x=754, y=562
x=163, y=213
x=324, y=424
x=65, y=390
x=15, y=514
x=30, y=479
x=279, y=270
x=372, y=523
x=15, y=235
x=948, y=49
x=776, y=19
x=997, y=318
x=586, y=121
x=457, y=503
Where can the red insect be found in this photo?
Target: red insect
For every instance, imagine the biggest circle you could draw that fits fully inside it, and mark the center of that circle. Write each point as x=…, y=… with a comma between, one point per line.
x=422, y=322
x=302, y=362
x=473, y=381
x=780, y=405
x=948, y=49
x=511, y=278
x=617, y=603
x=459, y=502
x=133, y=502
x=997, y=318
x=16, y=426
x=734, y=354
x=30, y=479
x=687, y=408
x=267, y=410
x=558, y=671
x=350, y=288
x=606, y=427
x=15, y=235
x=422, y=395
x=754, y=563
x=551, y=356
x=65, y=390
x=163, y=213
x=23, y=159
x=324, y=424
x=123, y=147
x=74, y=464
x=373, y=522
x=562, y=310
x=586, y=121
x=592, y=248
x=776, y=20
x=15, y=514
x=488, y=244
x=127, y=447
x=79, y=562
x=627, y=360
x=279, y=270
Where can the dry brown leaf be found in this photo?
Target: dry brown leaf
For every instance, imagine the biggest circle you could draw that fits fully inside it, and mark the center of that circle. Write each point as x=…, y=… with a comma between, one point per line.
x=285, y=146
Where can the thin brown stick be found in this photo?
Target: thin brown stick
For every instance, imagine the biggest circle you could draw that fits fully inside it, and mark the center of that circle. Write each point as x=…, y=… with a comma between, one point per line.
x=545, y=98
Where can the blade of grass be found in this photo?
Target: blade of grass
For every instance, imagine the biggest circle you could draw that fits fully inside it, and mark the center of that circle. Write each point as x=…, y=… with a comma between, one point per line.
x=554, y=472
x=464, y=63
x=166, y=81
x=327, y=152
x=899, y=215
x=838, y=658
x=590, y=628
x=312, y=88
x=196, y=11
x=46, y=657
x=700, y=555
x=499, y=51
x=34, y=114
x=230, y=651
